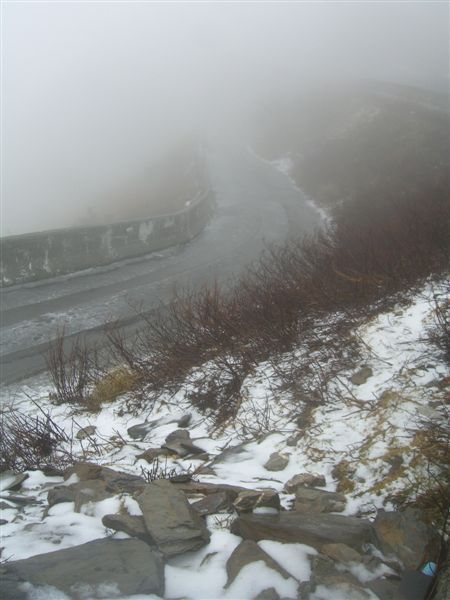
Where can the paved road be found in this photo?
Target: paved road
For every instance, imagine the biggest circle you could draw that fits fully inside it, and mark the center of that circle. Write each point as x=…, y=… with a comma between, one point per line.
x=255, y=204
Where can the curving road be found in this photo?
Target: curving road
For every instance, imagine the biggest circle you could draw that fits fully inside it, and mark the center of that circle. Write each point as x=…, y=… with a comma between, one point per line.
x=255, y=204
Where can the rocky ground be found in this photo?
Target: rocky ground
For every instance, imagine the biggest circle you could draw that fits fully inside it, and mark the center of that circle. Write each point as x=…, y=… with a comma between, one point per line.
x=294, y=499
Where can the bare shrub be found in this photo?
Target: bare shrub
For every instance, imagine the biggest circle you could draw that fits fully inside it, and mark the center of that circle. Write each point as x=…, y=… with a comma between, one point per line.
x=359, y=265
x=32, y=442
x=70, y=365
x=160, y=470
x=439, y=332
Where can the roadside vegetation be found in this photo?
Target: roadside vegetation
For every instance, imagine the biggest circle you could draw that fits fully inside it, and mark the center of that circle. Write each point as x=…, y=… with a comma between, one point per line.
x=387, y=163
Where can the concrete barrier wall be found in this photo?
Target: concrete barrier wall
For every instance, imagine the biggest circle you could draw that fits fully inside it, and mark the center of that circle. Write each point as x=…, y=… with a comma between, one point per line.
x=35, y=256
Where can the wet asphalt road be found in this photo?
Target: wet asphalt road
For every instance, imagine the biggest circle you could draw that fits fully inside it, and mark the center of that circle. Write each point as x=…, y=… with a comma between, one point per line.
x=255, y=204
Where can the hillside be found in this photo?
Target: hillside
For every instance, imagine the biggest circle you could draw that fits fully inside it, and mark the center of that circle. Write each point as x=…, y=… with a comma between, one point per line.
x=284, y=436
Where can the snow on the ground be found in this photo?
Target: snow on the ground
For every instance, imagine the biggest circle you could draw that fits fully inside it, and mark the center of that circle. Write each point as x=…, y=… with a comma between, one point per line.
x=363, y=424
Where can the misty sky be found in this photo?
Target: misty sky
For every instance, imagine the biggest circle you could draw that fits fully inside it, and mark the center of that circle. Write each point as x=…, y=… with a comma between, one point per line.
x=93, y=92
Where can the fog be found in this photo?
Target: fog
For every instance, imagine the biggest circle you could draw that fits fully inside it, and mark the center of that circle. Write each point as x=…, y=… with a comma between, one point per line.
x=95, y=92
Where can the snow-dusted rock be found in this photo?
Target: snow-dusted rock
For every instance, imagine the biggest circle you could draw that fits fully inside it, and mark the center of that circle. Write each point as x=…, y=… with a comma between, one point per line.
x=405, y=535
x=179, y=442
x=304, y=479
x=318, y=501
x=341, y=553
x=328, y=582
x=248, y=552
x=133, y=525
x=312, y=529
x=174, y=526
x=277, y=462
x=86, y=432
x=10, y=481
x=250, y=499
x=361, y=376
x=99, y=569
x=212, y=504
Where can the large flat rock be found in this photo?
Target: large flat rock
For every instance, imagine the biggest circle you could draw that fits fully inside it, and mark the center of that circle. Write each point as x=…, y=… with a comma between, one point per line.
x=406, y=536
x=311, y=529
x=174, y=526
x=125, y=567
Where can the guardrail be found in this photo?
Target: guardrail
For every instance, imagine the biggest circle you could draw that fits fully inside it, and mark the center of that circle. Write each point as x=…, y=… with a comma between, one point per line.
x=36, y=256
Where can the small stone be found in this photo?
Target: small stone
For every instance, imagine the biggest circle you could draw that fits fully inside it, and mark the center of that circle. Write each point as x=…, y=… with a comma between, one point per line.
x=361, y=376
x=60, y=494
x=183, y=446
x=318, y=501
x=277, y=462
x=185, y=420
x=3, y=521
x=86, y=432
x=152, y=454
x=341, y=553
x=177, y=435
x=139, y=431
x=304, y=479
x=293, y=439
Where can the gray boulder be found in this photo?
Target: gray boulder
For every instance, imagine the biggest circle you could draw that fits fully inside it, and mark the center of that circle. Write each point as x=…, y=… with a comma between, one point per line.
x=251, y=499
x=139, y=431
x=60, y=494
x=95, y=490
x=86, y=432
x=10, y=481
x=277, y=462
x=174, y=526
x=125, y=567
x=336, y=583
x=179, y=442
x=151, y=454
x=361, y=376
x=212, y=504
x=132, y=525
x=318, y=501
x=248, y=552
x=406, y=536
x=304, y=479
x=341, y=553
x=310, y=529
